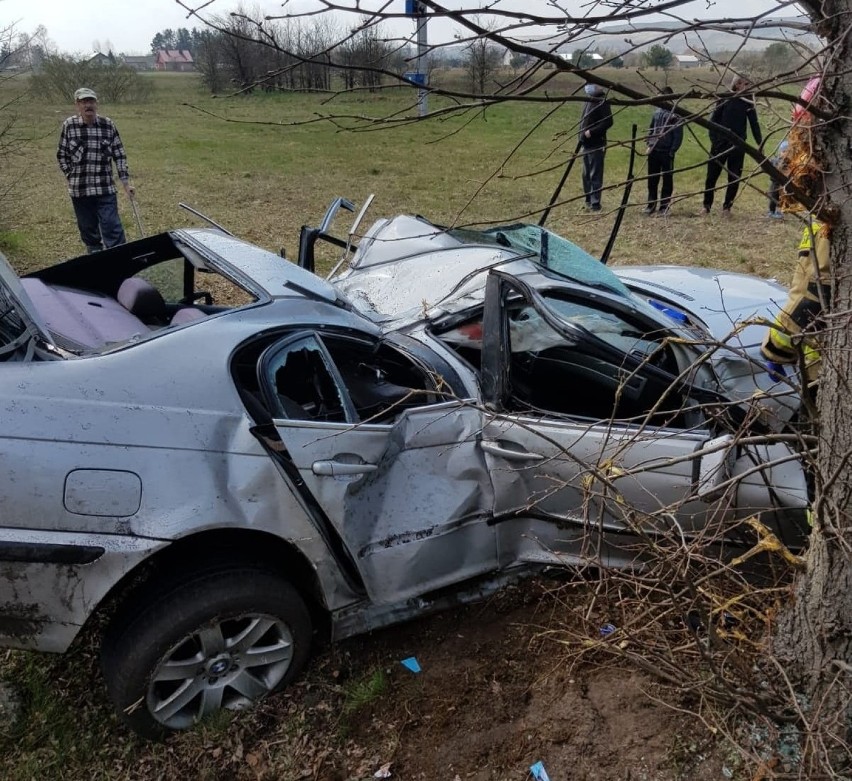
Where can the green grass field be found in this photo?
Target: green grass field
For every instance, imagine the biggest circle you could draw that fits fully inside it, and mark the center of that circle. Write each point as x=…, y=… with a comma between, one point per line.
x=267, y=164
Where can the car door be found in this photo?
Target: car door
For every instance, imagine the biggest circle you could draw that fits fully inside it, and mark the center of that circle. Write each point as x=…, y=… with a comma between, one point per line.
x=406, y=488
x=593, y=443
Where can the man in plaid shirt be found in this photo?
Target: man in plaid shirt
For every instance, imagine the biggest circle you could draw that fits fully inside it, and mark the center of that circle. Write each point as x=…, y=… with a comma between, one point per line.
x=88, y=145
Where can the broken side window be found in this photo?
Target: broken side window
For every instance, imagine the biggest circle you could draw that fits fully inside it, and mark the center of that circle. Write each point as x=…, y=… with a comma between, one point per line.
x=339, y=379
x=299, y=383
x=382, y=382
x=550, y=372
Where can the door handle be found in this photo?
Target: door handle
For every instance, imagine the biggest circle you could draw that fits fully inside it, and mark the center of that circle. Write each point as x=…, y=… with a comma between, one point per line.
x=339, y=468
x=496, y=449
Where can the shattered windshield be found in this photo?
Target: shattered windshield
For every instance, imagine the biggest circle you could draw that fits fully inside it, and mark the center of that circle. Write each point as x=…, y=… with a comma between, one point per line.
x=555, y=253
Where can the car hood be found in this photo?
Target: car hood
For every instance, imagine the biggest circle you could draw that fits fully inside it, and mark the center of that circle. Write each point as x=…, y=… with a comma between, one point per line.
x=730, y=306
x=733, y=308
x=407, y=270
x=12, y=289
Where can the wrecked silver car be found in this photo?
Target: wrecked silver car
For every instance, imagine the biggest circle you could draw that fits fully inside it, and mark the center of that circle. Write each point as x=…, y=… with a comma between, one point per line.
x=225, y=455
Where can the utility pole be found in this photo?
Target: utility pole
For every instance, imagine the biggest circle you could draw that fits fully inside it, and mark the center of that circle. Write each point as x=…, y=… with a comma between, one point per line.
x=417, y=10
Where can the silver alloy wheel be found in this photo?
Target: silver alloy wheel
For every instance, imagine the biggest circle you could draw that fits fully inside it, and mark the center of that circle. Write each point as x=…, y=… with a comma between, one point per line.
x=229, y=663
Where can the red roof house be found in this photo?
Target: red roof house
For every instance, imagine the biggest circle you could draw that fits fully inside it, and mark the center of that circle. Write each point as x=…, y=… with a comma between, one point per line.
x=173, y=60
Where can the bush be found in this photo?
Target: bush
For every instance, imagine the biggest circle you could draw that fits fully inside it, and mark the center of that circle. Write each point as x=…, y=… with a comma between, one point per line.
x=113, y=81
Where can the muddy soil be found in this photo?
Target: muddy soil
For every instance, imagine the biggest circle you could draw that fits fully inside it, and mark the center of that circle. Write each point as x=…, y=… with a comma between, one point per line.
x=497, y=693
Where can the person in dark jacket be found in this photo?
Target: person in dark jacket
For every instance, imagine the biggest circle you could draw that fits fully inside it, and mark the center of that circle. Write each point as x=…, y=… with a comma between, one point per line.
x=595, y=120
x=731, y=112
x=665, y=135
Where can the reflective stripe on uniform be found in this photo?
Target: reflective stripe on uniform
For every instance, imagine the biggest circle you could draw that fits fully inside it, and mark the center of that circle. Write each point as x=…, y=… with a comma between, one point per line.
x=788, y=339
x=808, y=236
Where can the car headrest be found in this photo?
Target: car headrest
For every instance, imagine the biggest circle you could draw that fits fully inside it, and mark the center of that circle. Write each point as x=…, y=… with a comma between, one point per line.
x=186, y=315
x=141, y=298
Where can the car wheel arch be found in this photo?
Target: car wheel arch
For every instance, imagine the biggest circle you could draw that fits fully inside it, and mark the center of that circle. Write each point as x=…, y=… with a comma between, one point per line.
x=212, y=549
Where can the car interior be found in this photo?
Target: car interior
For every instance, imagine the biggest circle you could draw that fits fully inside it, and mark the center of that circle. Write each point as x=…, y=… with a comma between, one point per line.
x=91, y=319
x=550, y=374
x=124, y=293
x=363, y=383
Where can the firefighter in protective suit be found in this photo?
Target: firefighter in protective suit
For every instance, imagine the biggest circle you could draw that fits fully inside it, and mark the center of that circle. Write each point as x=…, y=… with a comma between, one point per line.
x=790, y=339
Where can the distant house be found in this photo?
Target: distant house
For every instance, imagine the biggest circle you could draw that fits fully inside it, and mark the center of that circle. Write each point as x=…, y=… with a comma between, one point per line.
x=144, y=62
x=687, y=61
x=564, y=56
x=173, y=60
x=99, y=58
x=568, y=56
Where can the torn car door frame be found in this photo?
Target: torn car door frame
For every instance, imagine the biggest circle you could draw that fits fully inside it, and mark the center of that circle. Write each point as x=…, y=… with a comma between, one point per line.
x=557, y=463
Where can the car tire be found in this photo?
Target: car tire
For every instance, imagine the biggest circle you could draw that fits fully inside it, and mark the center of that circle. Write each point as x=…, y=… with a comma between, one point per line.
x=223, y=638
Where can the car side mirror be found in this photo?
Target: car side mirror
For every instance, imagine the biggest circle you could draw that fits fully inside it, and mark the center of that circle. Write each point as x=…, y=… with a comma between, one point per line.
x=715, y=465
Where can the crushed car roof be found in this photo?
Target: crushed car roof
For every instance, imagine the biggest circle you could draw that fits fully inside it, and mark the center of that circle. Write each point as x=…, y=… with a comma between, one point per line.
x=406, y=268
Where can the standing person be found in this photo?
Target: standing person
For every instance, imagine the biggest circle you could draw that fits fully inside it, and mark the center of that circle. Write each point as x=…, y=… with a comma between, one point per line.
x=793, y=338
x=88, y=145
x=665, y=135
x=731, y=112
x=595, y=120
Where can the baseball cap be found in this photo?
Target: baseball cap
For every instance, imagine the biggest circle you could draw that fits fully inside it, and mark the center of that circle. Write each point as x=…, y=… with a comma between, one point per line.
x=85, y=92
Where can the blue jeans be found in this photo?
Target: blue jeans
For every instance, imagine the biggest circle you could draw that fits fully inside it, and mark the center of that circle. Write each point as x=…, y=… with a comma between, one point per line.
x=593, y=173
x=98, y=221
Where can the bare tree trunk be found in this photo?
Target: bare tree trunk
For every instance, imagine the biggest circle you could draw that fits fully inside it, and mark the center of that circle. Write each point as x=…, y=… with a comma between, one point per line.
x=814, y=637
x=814, y=641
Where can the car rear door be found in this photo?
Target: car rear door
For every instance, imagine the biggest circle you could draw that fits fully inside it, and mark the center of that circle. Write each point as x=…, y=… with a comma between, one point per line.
x=407, y=490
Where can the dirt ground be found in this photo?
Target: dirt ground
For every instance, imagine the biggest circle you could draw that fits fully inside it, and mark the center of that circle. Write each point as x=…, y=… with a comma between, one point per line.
x=496, y=694
x=500, y=689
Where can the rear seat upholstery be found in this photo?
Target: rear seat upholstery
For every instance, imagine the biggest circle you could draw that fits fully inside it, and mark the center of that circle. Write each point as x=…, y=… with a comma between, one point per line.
x=93, y=319
x=187, y=315
x=142, y=299
x=87, y=318
x=139, y=297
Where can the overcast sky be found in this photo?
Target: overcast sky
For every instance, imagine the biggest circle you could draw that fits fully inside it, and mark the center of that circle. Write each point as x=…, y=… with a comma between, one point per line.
x=74, y=25
x=129, y=25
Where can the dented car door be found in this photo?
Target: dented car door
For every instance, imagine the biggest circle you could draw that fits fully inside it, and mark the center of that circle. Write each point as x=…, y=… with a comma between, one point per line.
x=593, y=444
x=410, y=498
